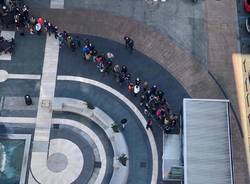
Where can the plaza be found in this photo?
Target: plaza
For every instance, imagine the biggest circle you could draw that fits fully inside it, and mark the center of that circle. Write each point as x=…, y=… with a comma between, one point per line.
x=72, y=131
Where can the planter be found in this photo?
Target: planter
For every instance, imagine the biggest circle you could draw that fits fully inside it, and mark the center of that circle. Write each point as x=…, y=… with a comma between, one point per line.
x=115, y=128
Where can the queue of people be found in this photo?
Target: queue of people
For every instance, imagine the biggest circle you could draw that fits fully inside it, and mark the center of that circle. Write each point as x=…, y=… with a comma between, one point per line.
x=151, y=98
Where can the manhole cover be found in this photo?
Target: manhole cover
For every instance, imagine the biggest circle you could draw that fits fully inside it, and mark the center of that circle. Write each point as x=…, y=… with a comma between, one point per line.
x=97, y=164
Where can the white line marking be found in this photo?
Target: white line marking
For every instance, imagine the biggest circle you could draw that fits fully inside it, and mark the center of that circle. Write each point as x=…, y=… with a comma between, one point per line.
x=17, y=120
x=24, y=76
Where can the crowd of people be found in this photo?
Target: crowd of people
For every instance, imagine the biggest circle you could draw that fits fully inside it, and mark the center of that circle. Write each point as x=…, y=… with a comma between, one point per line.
x=151, y=98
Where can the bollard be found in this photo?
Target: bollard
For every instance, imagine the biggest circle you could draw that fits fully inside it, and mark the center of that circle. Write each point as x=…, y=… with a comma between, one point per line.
x=28, y=100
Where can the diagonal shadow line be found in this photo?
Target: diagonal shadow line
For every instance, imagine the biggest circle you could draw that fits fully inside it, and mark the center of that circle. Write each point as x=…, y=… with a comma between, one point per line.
x=230, y=104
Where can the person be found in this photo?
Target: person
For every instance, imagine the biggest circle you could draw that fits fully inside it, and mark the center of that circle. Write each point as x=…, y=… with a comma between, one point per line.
x=149, y=124
x=45, y=25
x=65, y=35
x=86, y=42
x=49, y=28
x=73, y=46
x=130, y=87
x=173, y=119
x=124, y=122
x=78, y=41
x=116, y=70
x=101, y=67
x=137, y=81
x=121, y=78
x=17, y=21
x=69, y=41
x=142, y=100
x=87, y=56
x=99, y=59
x=166, y=121
x=60, y=39
x=31, y=30
x=5, y=10
x=91, y=46
x=109, y=56
x=124, y=69
x=161, y=113
x=86, y=51
x=108, y=65
x=160, y=94
x=127, y=40
x=94, y=54
x=128, y=77
x=131, y=45
x=25, y=11
x=32, y=21
x=40, y=20
x=38, y=28
x=153, y=90
x=136, y=89
x=145, y=86
x=148, y=94
x=55, y=31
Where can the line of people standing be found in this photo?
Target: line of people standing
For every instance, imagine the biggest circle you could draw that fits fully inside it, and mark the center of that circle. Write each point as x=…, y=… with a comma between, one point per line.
x=151, y=98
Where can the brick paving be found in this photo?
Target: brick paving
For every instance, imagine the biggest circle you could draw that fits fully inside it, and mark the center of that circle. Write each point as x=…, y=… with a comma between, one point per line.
x=222, y=43
x=154, y=45
x=171, y=18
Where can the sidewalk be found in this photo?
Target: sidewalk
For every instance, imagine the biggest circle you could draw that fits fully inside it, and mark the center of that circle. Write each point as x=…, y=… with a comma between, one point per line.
x=222, y=31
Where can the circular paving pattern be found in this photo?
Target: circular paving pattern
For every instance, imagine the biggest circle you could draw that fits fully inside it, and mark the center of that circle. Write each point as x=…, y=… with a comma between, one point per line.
x=57, y=162
x=60, y=149
x=3, y=75
x=73, y=154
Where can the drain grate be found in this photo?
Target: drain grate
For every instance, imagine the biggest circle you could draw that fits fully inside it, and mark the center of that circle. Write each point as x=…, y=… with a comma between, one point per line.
x=143, y=164
x=56, y=126
x=97, y=165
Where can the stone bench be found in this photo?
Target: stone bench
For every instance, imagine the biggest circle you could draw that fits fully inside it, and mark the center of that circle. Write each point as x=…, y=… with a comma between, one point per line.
x=103, y=118
x=59, y=104
x=120, y=173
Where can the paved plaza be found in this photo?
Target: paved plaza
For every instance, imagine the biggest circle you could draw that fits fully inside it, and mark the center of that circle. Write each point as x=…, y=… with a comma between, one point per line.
x=183, y=48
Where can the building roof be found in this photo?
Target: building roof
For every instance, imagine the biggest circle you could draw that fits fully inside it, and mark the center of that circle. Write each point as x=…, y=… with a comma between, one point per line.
x=207, y=142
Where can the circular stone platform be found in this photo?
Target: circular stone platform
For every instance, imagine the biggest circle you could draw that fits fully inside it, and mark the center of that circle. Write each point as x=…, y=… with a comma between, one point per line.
x=59, y=149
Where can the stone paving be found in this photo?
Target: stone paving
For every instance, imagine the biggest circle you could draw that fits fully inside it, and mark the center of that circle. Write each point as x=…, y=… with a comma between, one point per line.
x=11, y=110
x=181, y=20
x=211, y=44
